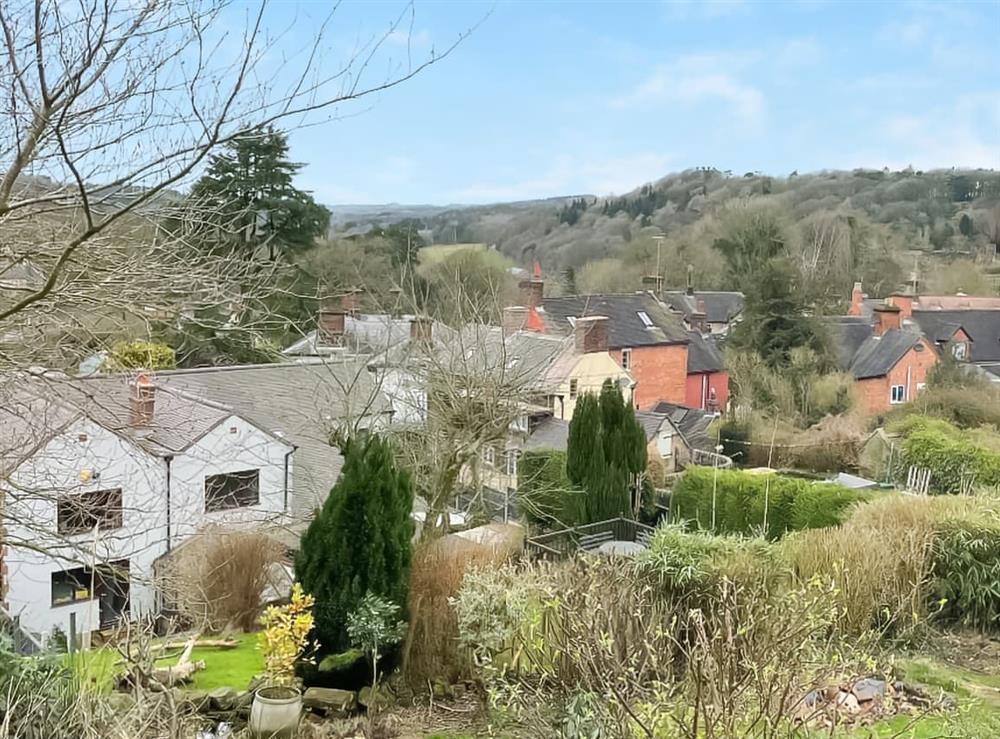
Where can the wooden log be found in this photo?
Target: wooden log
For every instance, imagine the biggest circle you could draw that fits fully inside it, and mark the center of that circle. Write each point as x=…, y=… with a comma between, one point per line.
x=183, y=670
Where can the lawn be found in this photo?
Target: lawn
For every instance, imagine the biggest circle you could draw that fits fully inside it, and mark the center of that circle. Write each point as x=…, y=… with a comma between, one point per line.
x=230, y=668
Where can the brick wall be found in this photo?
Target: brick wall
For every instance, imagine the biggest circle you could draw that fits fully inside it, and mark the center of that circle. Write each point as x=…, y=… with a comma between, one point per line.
x=700, y=385
x=660, y=373
x=910, y=371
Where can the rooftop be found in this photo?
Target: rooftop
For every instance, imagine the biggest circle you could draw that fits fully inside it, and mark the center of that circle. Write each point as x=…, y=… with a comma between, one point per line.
x=634, y=319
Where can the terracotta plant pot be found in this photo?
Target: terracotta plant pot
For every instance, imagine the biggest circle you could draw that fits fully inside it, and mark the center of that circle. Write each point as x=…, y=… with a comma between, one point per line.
x=275, y=712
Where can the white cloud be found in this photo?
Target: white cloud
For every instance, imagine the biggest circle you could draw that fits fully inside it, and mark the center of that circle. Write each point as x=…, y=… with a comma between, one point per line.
x=909, y=32
x=799, y=52
x=681, y=83
x=569, y=175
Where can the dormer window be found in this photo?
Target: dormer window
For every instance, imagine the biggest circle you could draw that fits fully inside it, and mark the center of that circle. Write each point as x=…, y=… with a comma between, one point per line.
x=960, y=351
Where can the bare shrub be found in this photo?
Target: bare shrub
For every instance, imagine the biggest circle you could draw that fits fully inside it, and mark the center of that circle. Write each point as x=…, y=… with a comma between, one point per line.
x=217, y=580
x=431, y=651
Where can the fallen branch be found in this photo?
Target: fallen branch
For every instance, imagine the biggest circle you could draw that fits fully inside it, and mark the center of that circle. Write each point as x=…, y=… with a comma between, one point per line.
x=183, y=670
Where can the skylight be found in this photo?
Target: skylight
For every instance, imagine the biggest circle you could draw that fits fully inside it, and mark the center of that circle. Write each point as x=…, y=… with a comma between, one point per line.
x=644, y=317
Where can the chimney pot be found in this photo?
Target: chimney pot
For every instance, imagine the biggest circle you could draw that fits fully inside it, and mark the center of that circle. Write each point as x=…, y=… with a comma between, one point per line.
x=142, y=402
x=591, y=334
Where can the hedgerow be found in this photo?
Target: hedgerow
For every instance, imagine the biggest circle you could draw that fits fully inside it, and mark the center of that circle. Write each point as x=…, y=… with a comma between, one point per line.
x=950, y=454
x=747, y=503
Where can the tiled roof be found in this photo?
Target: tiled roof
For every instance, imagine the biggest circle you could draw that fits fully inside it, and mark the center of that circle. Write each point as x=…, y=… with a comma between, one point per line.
x=848, y=333
x=703, y=354
x=304, y=403
x=367, y=333
x=691, y=423
x=550, y=433
x=719, y=306
x=879, y=354
x=626, y=327
x=982, y=326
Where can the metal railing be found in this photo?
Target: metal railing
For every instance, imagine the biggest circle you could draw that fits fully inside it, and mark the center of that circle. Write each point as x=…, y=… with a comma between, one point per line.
x=566, y=542
x=24, y=642
x=710, y=459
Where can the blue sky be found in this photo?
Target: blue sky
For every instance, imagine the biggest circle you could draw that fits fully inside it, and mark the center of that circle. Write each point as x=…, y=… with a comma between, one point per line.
x=556, y=98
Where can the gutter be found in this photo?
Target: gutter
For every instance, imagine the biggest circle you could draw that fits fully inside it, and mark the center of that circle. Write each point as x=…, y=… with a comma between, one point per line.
x=168, y=459
x=288, y=456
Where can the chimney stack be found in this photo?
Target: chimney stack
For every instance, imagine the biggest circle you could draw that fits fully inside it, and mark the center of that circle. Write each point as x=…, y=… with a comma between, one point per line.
x=351, y=302
x=699, y=318
x=532, y=290
x=903, y=301
x=690, y=280
x=142, y=401
x=591, y=334
x=421, y=329
x=857, y=298
x=887, y=317
x=330, y=326
x=514, y=319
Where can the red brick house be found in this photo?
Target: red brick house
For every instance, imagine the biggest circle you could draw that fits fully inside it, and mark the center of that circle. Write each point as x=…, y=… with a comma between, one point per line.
x=889, y=361
x=707, y=386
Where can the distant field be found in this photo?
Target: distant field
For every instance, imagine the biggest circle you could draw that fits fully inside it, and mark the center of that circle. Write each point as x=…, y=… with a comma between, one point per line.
x=436, y=252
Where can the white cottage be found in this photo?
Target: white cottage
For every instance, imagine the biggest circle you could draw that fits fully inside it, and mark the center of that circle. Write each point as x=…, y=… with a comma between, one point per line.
x=102, y=477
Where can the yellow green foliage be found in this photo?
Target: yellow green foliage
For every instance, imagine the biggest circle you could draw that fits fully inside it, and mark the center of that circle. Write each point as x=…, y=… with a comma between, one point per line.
x=126, y=355
x=286, y=635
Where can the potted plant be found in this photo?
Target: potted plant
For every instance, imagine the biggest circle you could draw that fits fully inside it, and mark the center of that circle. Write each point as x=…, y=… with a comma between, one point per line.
x=277, y=706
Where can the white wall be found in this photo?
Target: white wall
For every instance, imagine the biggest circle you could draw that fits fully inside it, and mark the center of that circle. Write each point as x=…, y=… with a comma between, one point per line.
x=34, y=551
x=406, y=394
x=232, y=446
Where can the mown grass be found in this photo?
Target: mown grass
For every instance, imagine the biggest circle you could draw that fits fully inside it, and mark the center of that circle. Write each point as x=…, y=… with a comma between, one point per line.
x=225, y=668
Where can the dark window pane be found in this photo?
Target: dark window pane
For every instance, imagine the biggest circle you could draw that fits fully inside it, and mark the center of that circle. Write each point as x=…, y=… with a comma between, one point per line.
x=81, y=513
x=232, y=490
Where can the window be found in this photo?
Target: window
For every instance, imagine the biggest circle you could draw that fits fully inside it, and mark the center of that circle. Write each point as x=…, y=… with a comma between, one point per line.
x=489, y=456
x=512, y=455
x=960, y=351
x=644, y=317
x=71, y=586
x=101, y=509
x=573, y=388
x=232, y=490
x=897, y=394
x=626, y=359
x=520, y=423
x=921, y=386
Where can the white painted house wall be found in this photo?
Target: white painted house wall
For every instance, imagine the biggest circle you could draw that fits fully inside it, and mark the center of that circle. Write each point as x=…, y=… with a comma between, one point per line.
x=31, y=497
x=406, y=394
x=54, y=470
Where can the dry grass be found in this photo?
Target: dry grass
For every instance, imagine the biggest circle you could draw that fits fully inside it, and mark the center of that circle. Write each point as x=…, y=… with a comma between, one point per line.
x=218, y=578
x=880, y=560
x=431, y=651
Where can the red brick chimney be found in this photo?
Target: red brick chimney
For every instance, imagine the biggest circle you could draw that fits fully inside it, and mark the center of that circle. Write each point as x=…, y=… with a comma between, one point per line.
x=532, y=290
x=351, y=302
x=421, y=329
x=887, y=317
x=515, y=318
x=591, y=334
x=903, y=301
x=857, y=297
x=330, y=326
x=142, y=401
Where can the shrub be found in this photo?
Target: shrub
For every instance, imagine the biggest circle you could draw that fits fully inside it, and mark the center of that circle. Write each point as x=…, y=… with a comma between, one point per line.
x=545, y=495
x=950, y=454
x=967, y=568
x=126, y=355
x=965, y=407
x=745, y=502
x=359, y=542
x=217, y=579
x=285, y=636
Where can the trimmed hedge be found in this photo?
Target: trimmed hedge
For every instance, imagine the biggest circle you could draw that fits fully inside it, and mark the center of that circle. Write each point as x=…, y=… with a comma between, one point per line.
x=949, y=454
x=792, y=504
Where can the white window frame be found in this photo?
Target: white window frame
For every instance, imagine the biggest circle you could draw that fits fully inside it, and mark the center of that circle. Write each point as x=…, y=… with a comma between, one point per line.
x=489, y=456
x=960, y=351
x=511, y=462
x=895, y=398
x=520, y=423
x=644, y=317
x=574, y=388
x=627, y=359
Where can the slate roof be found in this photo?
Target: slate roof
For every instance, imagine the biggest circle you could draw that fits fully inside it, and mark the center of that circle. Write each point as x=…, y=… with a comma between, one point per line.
x=848, y=333
x=703, y=354
x=691, y=423
x=982, y=326
x=366, y=333
x=303, y=403
x=625, y=327
x=553, y=433
x=879, y=354
x=720, y=306
x=37, y=407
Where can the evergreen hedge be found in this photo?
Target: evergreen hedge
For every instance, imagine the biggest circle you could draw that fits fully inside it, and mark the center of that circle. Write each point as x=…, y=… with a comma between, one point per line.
x=741, y=497
x=949, y=454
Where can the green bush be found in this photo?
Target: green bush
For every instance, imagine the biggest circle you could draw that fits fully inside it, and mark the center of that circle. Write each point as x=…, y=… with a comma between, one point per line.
x=126, y=355
x=949, y=453
x=545, y=495
x=747, y=503
x=966, y=568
